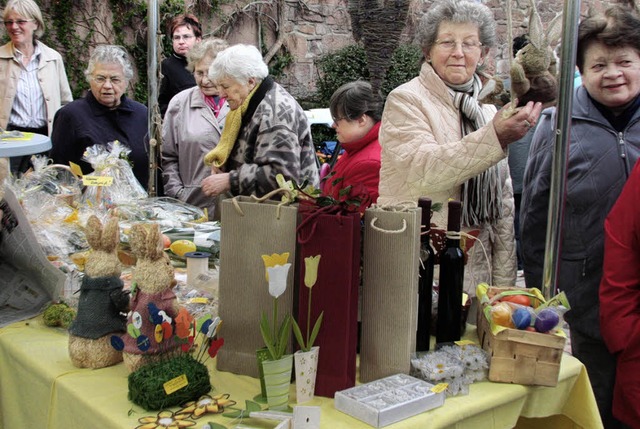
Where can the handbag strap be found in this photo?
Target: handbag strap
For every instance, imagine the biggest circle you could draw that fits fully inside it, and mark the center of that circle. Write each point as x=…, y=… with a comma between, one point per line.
x=388, y=231
x=264, y=198
x=313, y=217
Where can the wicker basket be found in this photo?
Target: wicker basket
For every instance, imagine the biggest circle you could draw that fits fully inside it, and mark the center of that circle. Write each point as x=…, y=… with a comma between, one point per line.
x=521, y=357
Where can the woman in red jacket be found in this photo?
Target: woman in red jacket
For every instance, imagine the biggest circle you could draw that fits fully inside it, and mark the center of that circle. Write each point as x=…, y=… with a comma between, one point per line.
x=620, y=299
x=356, y=118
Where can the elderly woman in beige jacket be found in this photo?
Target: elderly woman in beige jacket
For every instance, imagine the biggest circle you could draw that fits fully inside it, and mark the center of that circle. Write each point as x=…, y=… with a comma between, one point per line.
x=33, y=82
x=438, y=141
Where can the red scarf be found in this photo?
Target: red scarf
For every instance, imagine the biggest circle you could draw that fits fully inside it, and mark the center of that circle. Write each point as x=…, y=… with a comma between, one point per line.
x=215, y=106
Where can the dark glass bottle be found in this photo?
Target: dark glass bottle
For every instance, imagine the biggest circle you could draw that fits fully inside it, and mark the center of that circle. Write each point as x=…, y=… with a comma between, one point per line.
x=448, y=326
x=425, y=282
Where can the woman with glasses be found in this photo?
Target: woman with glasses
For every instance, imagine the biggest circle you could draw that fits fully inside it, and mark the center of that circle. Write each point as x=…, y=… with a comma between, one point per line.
x=105, y=114
x=191, y=128
x=185, y=31
x=439, y=142
x=33, y=82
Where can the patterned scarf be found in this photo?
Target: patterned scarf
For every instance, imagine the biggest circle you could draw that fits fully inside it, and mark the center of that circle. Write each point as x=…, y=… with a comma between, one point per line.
x=233, y=123
x=481, y=195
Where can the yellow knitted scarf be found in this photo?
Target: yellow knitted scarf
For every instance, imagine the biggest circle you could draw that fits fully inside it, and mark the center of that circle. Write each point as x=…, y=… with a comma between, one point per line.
x=219, y=154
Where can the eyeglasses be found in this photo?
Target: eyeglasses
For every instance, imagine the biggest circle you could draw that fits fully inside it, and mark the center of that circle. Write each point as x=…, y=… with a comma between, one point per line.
x=101, y=80
x=450, y=45
x=185, y=37
x=20, y=22
x=335, y=120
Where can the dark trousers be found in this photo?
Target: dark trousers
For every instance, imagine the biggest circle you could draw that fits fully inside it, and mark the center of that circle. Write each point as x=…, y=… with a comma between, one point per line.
x=601, y=367
x=20, y=164
x=517, y=198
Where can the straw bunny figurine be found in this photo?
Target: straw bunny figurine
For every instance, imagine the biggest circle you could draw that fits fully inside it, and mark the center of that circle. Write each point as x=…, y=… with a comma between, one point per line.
x=534, y=70
x=152, y=297
x=103, y=302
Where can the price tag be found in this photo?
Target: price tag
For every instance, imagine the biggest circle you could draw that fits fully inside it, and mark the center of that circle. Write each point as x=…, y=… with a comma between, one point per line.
x=97, y=180
x=175, y=384
x=441, y=387
x=199, y=300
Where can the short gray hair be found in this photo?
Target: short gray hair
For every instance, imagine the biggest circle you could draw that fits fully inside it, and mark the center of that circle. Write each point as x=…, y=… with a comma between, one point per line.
x=109, y=54
x=211, y=46
x=457, y=12
x=239, y=62
x=29, y=9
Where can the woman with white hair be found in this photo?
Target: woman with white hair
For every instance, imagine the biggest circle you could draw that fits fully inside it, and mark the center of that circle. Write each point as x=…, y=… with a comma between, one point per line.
x=33, y=82
x=266, y=132
x=105, y=114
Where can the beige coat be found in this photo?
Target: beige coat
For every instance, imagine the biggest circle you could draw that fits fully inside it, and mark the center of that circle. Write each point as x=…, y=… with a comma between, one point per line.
x=52, y=77
x=424, y=154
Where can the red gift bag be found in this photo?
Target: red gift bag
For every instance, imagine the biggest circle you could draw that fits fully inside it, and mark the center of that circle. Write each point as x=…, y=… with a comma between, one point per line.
x=336, y=237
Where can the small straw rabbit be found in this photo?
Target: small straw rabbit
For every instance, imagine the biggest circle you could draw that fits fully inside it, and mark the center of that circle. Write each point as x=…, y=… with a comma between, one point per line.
x=153, y=279
x=103, y=302
x=534, y=70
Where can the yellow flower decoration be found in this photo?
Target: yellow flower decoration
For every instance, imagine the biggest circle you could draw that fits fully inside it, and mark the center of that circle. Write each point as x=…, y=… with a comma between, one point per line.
x=166, y=419
x=206, y=405
x=273, y=260
x=311, y=270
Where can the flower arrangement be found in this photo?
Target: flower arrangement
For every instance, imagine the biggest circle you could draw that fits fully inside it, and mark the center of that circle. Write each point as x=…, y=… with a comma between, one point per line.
x=310, y=277
x=276, y=338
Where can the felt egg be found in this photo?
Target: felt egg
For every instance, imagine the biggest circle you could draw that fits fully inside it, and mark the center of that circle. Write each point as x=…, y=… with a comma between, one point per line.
x=521, y=318
x=501, y=314
x=546, y=320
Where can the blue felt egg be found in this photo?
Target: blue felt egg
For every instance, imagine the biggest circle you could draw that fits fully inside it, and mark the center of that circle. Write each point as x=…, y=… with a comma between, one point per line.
x=521, y=318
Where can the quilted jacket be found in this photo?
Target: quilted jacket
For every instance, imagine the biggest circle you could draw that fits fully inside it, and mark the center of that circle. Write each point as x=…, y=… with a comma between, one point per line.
x=599, y=162
x=620, y=297
x=52, y=76
x=189, y=131
x=425, y=154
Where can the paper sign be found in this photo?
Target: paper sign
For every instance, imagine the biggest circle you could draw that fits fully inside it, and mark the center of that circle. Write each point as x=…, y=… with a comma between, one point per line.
x=97, y=180
x=175, y=384
x=199, y=300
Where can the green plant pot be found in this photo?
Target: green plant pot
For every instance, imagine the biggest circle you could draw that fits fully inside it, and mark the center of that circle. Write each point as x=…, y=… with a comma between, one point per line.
x=277, y=379
x=261, y=355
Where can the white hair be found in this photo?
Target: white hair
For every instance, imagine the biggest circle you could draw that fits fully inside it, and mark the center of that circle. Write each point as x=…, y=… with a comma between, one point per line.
x=239, y=62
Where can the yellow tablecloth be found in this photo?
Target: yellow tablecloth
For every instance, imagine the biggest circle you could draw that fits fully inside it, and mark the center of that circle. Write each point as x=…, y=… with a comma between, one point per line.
x=40, y=388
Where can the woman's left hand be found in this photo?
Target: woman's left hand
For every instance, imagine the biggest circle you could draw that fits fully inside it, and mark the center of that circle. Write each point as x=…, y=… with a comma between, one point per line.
x=216, y=184
x=511, y=126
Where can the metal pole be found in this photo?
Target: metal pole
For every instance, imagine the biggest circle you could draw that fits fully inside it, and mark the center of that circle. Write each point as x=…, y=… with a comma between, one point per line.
x=560, y=155
x=152, y=100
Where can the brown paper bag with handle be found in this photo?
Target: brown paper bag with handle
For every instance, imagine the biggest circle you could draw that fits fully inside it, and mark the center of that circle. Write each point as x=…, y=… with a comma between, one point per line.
x=390, y=290
x=251, y=227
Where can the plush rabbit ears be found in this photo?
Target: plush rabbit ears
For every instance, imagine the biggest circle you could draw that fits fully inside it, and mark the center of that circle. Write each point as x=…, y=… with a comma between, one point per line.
x=537, y=34
x=102, y=238
x=146, y=241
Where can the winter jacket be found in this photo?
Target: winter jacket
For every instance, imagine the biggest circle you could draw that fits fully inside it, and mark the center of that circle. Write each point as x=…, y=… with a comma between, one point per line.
x=189, y=131
x=599, y=162
x=359, y=165
x=51, y=75
x=276, y=139
x=425, y=154
x=620, y=298
x=86, y=122
x=175, y=78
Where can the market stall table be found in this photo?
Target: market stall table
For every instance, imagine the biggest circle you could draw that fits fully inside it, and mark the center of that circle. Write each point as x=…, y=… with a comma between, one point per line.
x=40, y=388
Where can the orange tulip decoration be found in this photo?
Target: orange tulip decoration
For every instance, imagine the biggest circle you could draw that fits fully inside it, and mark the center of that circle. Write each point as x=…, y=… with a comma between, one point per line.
x=310, y=277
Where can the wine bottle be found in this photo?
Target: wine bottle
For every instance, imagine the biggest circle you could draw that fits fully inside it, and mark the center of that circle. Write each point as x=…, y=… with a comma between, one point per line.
x=425, y=282
x=448, y=326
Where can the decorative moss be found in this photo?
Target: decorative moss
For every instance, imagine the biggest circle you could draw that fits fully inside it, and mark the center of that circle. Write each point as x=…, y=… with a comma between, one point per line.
x=146, y=385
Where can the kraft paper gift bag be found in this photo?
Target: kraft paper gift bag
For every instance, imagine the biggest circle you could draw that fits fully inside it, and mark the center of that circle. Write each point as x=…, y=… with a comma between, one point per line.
x=336, y=237
x=251, y=228
x=391, y=258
